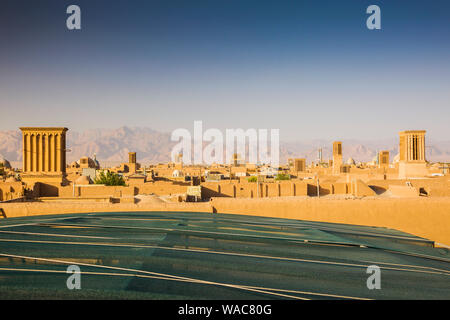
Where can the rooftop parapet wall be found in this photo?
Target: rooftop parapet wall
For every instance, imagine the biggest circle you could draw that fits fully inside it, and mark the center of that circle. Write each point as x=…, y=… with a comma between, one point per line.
x=97, y=191
x=253, y=190
x=424, y=217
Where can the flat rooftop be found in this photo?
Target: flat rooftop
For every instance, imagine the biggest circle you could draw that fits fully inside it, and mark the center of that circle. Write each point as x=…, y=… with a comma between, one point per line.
x=188, y=255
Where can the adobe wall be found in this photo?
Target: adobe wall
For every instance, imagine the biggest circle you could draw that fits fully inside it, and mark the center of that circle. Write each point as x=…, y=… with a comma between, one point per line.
x=360, y=189
x=270, y=190
x=233, y=189
x=46, y=208
x=424, y=217
x=158, y=188
x=356, y=173
x=403, y=191
x=48, y=189
x=434, y=187
x=162, y=187
x=97, y=191
x=10, y=190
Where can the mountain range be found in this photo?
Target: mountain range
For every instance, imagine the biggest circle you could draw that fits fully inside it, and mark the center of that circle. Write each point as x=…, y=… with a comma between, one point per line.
x=113, y=145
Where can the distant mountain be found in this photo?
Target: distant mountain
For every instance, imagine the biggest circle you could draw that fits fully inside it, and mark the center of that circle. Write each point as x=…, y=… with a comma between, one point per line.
x=11, y=145
x=113, y=145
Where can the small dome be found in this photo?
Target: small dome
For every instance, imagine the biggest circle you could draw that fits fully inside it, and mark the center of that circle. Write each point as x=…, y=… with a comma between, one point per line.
x=350, y=161
x=5, y=162
x=83, y=180
x=97, y=164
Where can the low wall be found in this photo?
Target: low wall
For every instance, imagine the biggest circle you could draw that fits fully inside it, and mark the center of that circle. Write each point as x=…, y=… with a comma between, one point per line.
x=94, y=190
x=10, y=190
x=270, y=190
x=45, y=208
x=162, y=187
x=424, y=217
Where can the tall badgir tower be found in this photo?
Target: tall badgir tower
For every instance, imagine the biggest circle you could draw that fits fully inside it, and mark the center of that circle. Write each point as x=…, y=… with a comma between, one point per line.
x=337, y=157
x=412, y=161
x=44, y=155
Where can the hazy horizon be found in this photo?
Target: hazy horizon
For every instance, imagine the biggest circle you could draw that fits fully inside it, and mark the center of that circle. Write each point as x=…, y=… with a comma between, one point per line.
x=293, y=139
x=152, y=146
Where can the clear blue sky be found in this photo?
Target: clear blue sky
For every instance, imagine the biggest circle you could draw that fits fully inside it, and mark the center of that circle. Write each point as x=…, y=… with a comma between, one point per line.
x=310, y=68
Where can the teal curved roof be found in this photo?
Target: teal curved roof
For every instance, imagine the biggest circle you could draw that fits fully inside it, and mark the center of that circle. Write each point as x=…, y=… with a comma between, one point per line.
x=188, y=255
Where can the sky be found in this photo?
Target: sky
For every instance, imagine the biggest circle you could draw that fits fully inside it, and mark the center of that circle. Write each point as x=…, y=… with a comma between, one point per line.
x=309, y=68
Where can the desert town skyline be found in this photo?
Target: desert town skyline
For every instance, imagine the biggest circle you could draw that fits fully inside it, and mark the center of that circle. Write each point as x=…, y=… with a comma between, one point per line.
x=233, y=150
x=394, y=205
x=47, y=177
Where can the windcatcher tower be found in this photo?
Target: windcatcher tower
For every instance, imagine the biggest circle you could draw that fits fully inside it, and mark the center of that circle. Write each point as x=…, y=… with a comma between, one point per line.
x=383, y=159
x=337, y=157
x=44, y=155
x=412, y=161
x=132, y=164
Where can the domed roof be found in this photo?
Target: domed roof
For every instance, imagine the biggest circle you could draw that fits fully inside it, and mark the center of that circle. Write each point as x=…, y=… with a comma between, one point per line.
x=97, y=164
x=5, y=162
x=82, y=180
x=350, y=161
